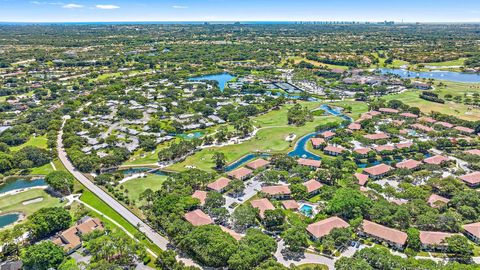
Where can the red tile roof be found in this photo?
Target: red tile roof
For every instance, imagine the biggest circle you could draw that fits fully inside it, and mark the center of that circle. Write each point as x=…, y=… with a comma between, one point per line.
x=257, y=164
x=233, y=233
x=473, y=152
x=240, y=173
x=201, y=195
x=434, y=198
x=444, y=124
x=198, y=218
x=362, y=151
x=422, y=127
x=436, y=160
x=388, y=110
x=327, y=134
x=312, y=185
x=471, y=178
x=290, y=204
x=362, y=178
x=354, y=126
x=378, y=169
x=262, y=205
x=434, y=238
x=334, y=149
x=386, y=147
x=377, y=136
x=276, y=190
x=324, y=227
x=473, y=229
x=317, y=141
x=90, y=225
x=427, y=120
x=219, y=184
x=309, y=162
x=465, y=129
x=409, y=115
x=408, y=164
x=385, y=233
x=403, y=145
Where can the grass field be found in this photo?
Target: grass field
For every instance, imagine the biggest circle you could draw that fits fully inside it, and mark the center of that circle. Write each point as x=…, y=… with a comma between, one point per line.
x=358, y=108
x=43, y=170
x=137, y=186
x=270, y=138
x=40, y=142
x=13, y=203
x=459, y=110
x=298, y=59
x=457, y=62
x=312, y=266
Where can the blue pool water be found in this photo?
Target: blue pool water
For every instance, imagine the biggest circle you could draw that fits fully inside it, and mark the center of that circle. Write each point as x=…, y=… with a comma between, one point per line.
x=438, y=75
x=221, y=79
x=307, y=210
x=242, y=160
x=8, y=219
x=21, y=183
x=197, y=135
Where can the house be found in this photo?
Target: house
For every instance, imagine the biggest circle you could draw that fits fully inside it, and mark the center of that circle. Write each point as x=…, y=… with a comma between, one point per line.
x=380, y=233
x=354, y=126
x=408, y=115
x=409, y=164
x=258, y=164
x=219, y=185
x=317, y=143
x=200, y=195
x=327, y=134
x=444, y=124
x=361, y=178
x=422, y=127
x=262, y=205
x=70, y=238
x=290, y=205
x=382, y=148
x=436, y=200
x=475, y=152
x=232, y=233
x=376, y=136
x=333, y=150
x=436, y=160
x=240, y=173
x=403, y=145
x=322, y=228
x=434, y=241
x=472, y=179
x=198, y=218
x=277, y=192
x=362, y=152
x=421, y=85
x=428, y=120
x=314, y=164
x=472, y=231
x=313, y=186
x=464, y=130
x=389, y=110
x=377, y=171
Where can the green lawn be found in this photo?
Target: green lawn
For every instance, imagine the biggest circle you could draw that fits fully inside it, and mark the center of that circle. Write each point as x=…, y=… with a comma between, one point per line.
x=358, y=107
x=311, y=266
x=40, y=142
x=137, y=186
x=298, y=59
x=43, y=170
x=271, y=138
x=457, y=62
x=13, y=203
x=459, y=110
x=142, y=157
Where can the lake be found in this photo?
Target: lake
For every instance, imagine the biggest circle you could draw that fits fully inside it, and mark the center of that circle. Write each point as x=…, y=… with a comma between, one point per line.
x=20, y=184
x=221, y=79
x=438, y=75
x=8, y=219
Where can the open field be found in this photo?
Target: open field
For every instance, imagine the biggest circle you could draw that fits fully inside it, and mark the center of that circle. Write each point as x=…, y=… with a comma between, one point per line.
x=459, y=110
x=42, y=170
x=40, y=142
x=13, y=203
x=270, y=138
x=457, y=62
x=298, y=59
x=312, y=266
x=358, y=107
x=137, y=186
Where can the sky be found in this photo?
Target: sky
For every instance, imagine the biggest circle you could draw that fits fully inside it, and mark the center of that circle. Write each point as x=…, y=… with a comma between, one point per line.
x=239, y=10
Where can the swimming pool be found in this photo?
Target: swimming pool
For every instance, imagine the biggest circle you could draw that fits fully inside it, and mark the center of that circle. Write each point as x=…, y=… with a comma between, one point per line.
x=307, y=210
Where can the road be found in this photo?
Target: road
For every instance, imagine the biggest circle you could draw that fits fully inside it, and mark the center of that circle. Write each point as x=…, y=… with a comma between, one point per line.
x=151, y=234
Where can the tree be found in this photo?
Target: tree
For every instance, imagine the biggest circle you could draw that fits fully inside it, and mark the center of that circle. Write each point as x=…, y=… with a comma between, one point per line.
x=219, y=159
x=413, y=239
x=348, y=203
x=299, y=192
x=254, y=248
x=274, y=219
x=460, y=246
x=244, y=216
x=114, y=248
x=345, y=263
x=48, y=221
x=42, y=256
x=60, y=181
x=295, y=238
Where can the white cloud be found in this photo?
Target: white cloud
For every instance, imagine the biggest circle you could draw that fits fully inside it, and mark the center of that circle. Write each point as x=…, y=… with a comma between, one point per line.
x=179, y=7
x=107, y=6
x=72, y=6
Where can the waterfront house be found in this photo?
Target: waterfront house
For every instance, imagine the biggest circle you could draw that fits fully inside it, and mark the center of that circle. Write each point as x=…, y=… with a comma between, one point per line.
x=219, y=185
x=409, y=164
x=322, y=228
x=472, y=179
x=327, y=134
x=258, y=164
x=377, y=171
x=313, y=187
x=314, y=164
x=362, y=152
x=262, y=205
x=394, y=238
x=318, y=143
x=198, y=218
x=277, y=192
x=240, y=174
x=333, y=150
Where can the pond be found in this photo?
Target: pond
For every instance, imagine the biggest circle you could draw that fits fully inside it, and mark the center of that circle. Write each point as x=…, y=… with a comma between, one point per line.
x=221, y=79
x=242, y=160
x=20, y=184
x=131, y=171
x=438, y=75
x=197, y=135
x=8, y=219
